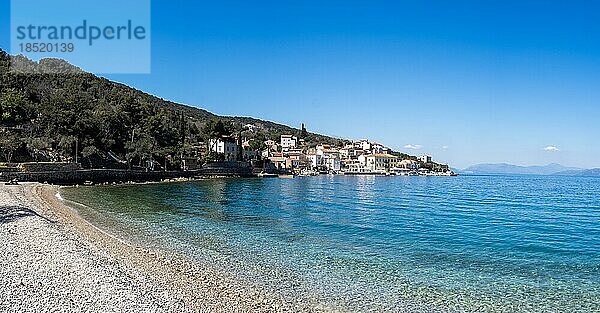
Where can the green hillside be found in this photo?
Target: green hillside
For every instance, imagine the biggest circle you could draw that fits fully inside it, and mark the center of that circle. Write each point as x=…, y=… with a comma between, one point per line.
x=47, y=117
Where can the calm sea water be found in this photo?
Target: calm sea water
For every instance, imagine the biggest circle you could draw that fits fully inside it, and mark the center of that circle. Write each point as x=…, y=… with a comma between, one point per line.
x=467, y=243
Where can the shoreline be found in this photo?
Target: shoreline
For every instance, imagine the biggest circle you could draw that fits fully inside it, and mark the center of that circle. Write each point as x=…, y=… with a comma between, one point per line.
x=99, y=272
x=112, y=176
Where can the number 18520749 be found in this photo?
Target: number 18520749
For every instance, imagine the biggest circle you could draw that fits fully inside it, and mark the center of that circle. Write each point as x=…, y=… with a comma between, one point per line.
x=47, y=47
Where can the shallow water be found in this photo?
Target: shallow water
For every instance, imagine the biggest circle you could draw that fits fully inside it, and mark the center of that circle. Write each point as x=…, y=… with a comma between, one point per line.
x=467, y=243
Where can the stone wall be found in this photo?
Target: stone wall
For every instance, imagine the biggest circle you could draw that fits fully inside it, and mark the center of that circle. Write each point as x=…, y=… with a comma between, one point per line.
x=71, y=173
x=49, y=167
x=9, y=168
x=105, y=175
x=95, y=176
x=39, y=167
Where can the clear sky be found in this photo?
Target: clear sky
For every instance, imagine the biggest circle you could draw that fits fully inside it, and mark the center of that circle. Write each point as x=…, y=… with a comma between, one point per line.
x=466, y=81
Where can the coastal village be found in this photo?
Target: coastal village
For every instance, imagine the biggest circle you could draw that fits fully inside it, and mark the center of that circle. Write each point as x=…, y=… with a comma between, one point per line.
x=76, y=134
x=292, y=155
x=239, y=154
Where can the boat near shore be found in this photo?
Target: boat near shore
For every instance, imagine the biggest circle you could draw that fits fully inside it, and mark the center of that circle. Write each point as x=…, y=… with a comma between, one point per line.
x=400, y=173
x=267, y=175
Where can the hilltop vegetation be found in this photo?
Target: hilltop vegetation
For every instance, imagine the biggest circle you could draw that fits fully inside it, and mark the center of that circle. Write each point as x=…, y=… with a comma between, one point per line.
x=49, y=116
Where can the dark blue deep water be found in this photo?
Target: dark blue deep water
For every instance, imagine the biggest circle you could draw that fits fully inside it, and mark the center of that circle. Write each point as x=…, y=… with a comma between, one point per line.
x=467, y=243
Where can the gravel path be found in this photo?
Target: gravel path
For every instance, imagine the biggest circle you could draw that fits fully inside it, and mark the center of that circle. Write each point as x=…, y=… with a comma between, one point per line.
x=51, y=260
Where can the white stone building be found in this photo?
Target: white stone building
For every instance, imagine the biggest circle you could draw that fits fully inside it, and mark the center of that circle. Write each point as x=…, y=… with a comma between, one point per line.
x=225, y=145
x=314, y=160
x=378, y=162
x=288, y=141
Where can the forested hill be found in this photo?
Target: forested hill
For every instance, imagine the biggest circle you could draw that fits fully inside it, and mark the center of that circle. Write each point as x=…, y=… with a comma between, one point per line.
x=45, y=116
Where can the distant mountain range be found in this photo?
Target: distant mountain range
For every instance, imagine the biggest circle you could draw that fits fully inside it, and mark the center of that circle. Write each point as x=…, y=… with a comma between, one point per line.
x=590, y=172
x=550, y=169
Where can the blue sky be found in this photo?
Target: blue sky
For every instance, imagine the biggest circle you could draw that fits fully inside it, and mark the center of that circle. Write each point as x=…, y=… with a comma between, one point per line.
x=466, y=81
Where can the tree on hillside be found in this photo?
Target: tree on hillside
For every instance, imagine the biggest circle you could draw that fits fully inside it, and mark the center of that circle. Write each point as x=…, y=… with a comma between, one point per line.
x=256, y=144
x=49, y=113
x=88, y=152
x=215, y=129
x=9, y=143
x=140, y=148
x=13, y=107
x=39, y=148
x=66, y=147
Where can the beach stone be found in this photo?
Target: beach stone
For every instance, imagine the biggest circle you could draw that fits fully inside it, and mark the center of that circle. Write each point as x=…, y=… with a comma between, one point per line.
x=50, y=261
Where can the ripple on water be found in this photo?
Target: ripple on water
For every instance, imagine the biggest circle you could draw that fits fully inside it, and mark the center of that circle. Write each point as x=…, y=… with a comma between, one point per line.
x=497, y=244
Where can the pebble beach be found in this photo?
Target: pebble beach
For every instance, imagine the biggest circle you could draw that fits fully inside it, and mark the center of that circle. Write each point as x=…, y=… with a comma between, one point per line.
x=52, y=260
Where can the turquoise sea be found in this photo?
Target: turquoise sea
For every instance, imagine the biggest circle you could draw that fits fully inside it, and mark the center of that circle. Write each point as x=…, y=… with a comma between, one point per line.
x=467, y=243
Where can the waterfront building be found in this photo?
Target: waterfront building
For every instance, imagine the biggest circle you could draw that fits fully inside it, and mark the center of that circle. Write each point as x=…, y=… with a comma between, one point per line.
x=315, y=160
x=405, y=167
x=294, y=164
x=293, y=161
x=346, y=152
x=408, y=164
x=379, y=162
x=247, y=152
x=278, y=160
x=330, y=158
x=226, y=145
x=333, y=163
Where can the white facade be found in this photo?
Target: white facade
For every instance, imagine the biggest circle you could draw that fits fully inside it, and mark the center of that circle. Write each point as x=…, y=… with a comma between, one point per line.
x=380, y=162
x=407, y=164
x=425, y=158
x=357, y=168
x=346, y=152
x=364, y=145
x=379, y=149
x=333, y=163
x=367, y=147
x=270, y=143
x=288, y=141
x=227, y=146
x=363, y=159
x=315, y=160
x=329, y=161
x=321, y=148
x=250, y=127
